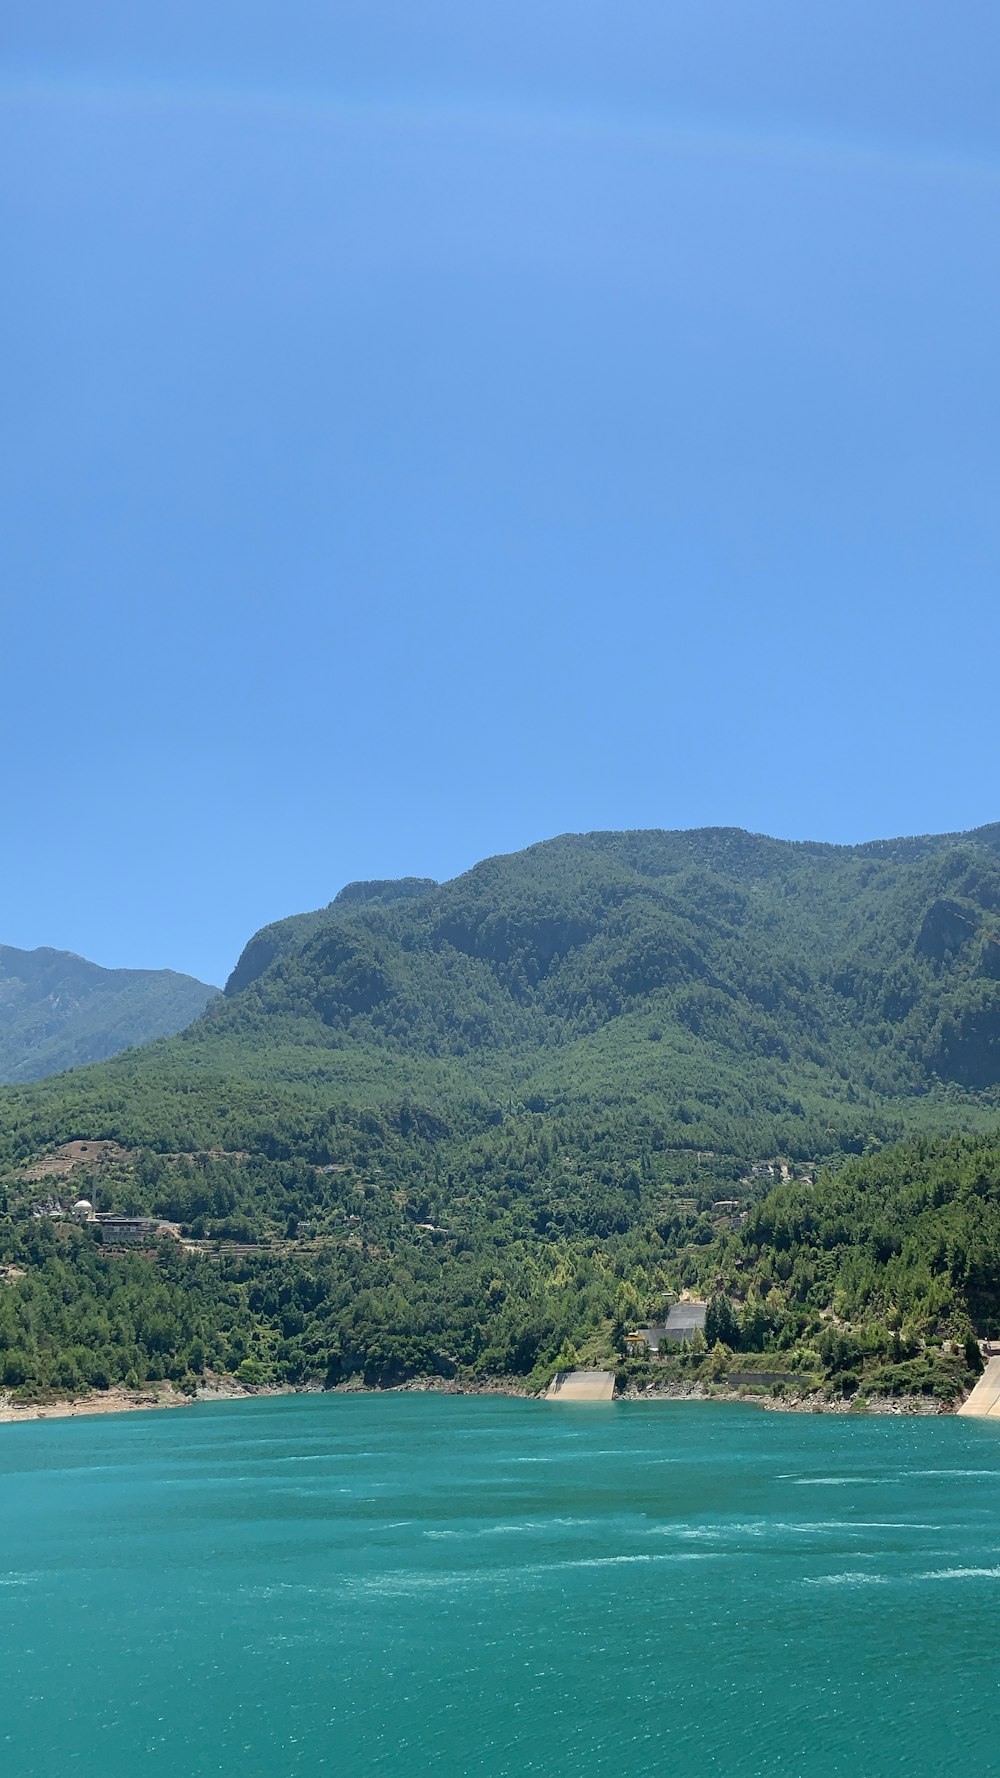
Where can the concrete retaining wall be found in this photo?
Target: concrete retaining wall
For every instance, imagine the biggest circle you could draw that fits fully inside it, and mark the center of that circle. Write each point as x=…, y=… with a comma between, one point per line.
x=581, y=1386
x=984, y=1402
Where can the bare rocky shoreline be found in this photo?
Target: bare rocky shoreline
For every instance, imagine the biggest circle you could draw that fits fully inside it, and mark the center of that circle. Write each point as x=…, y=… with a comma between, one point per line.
x=163, y=1395
x=794, y=1404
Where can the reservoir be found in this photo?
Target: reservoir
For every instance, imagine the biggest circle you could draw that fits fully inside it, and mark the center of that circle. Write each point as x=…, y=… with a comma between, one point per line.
x=479, y=1587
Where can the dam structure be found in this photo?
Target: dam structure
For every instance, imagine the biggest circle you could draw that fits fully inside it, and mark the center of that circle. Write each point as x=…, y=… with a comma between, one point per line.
x=984, y=1402
x=581, y=1386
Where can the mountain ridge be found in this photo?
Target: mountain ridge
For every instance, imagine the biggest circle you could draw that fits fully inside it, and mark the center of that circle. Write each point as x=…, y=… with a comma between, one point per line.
x=618, y=919
x=58, y=1010
x=479, y=1125
x=738, y=993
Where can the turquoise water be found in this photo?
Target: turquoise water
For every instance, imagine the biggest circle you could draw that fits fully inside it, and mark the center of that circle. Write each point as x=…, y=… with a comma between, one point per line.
x=408, y=1584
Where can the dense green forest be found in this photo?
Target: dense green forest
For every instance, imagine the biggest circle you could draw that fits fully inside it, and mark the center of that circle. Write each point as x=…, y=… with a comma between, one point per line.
x=480, y=1127
x=58, y=1011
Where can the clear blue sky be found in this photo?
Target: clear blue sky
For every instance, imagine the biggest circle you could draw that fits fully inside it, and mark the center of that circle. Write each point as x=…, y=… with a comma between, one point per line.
x=428, y=428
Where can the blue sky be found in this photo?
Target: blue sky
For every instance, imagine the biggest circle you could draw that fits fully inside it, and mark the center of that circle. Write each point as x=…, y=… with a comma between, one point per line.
x=431, y=428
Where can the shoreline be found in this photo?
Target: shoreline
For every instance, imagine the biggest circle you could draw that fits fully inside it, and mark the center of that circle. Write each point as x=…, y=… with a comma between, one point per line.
x=119, y=1400
x=912, y=1406
x=125, y=1401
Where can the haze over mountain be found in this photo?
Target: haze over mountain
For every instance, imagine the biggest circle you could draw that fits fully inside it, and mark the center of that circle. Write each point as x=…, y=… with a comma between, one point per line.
x=58, y=1011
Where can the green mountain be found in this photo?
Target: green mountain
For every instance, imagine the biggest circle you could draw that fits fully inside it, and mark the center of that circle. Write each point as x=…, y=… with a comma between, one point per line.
x=469, y=1125
x=709, y=975
x=58, y=1011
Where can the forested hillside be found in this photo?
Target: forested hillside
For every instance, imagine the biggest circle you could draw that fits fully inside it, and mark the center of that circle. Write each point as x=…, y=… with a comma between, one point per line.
x=58, y=1011
x=462, y=1125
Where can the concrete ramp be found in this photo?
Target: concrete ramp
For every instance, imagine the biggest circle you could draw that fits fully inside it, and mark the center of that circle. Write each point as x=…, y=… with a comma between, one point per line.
x=984, y=1402
x=581, y=1386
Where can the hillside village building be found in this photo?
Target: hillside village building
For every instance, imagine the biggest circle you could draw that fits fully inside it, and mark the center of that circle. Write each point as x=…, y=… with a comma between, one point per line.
x=127, y=1231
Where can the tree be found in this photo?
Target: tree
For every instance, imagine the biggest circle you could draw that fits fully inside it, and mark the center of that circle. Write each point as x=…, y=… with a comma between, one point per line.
x=719, y=1360
x=754, y=1324
x=721, y=1325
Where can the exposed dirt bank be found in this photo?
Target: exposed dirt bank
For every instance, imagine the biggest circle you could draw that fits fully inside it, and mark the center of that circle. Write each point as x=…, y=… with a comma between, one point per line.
x=791, y=1403
x=163, y=1395
x=106, y=1401
x=127, y=1401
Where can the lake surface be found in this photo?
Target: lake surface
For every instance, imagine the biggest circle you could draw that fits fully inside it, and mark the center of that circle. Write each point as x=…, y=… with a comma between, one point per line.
x=400, y=1585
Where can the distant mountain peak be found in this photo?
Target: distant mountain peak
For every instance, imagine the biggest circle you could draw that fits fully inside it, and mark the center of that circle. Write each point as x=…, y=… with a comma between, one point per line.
x=280, y=936
x=385, y=889
x=57, y=1010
